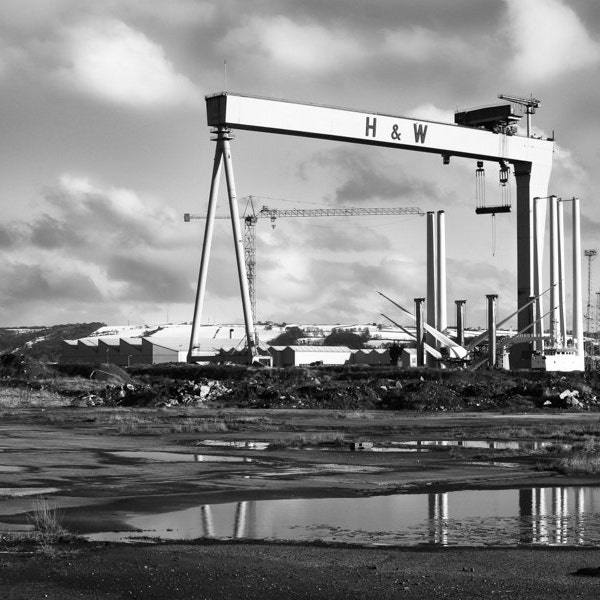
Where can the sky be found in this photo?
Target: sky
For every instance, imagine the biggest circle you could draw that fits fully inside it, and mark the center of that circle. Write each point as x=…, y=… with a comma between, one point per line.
x=104, y=147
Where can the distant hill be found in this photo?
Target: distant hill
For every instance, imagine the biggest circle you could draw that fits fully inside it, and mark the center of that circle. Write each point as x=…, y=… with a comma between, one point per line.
x=43, y=343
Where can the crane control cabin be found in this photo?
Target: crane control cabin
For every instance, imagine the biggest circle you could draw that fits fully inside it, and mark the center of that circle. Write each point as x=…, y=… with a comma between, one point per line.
x=530, y=157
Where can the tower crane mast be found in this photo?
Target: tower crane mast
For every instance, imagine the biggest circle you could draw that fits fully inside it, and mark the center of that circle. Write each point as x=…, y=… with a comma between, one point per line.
x=273, y=214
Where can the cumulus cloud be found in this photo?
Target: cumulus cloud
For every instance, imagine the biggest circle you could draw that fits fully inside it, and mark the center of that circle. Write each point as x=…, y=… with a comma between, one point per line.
x=141, y=275
x=364, y=178
x=302, y=46
x=549, y=39
x=27, y=283
x=180, y=13
x=93, y=244
x=308, y=46
x=111, y=61
x=422, y=45
x=115, y=215
x=430, y=112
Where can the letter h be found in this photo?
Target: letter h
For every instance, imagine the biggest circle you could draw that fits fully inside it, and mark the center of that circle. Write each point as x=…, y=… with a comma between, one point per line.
x=371, y=126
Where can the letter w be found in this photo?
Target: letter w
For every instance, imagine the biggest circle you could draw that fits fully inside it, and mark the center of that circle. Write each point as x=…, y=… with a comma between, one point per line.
x=420, y=132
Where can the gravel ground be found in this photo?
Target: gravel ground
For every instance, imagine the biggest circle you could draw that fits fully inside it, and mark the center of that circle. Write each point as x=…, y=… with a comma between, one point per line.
x=249, y=571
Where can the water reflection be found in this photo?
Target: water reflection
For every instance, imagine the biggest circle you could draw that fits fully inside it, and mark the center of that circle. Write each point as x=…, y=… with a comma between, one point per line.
x=159, y=456
x=540, y=516
x=425, y=445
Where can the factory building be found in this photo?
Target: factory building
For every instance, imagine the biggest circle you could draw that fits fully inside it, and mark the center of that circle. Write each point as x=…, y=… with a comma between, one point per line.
x=122, y=352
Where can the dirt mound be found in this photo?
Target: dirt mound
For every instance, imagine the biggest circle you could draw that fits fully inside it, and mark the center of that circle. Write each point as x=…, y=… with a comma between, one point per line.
x=15, y=365
x=97, y=372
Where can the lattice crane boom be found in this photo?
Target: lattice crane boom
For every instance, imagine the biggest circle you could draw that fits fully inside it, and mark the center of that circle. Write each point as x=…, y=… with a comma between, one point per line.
x=273, y=214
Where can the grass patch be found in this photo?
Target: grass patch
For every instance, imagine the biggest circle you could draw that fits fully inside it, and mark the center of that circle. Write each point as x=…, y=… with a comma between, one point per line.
x=354, y=414
x=548, y=431
x=310, y=440
x=47, y=527
x=25, y=397
x=128, y=423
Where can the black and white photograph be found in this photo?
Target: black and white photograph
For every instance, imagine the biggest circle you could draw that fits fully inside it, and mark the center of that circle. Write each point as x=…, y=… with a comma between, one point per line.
x=299, y=299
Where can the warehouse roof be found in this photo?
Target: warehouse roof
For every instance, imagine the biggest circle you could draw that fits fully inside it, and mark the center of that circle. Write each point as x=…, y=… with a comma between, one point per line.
x=313, y=348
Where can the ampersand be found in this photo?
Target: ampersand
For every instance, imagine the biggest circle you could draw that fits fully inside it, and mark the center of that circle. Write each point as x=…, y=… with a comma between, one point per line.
x=395, y=134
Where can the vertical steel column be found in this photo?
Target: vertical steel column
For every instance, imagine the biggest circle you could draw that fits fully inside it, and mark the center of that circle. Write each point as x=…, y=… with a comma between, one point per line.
x=431, y=280
x=531, y=180
x=206, y=246
x=525, y=270
x=460, y=322
x=492, y=329
x=577, y=308
x=442, y=317
x=554, y=292
x=562, y=319
x=239, y=247
x=538, y=241
x=419, y=332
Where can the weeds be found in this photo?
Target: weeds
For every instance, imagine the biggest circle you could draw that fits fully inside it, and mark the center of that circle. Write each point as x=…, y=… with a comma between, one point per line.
x=47, y=528
x=127, y=423
x=307, y=440
x=354, y=414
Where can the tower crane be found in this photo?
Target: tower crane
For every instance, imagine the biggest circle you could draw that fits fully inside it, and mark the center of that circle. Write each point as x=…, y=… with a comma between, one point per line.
x=273, y=214
x=530, y=105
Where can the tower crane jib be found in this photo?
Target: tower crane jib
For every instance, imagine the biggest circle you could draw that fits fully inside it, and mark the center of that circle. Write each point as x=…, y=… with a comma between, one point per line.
x=251, y=219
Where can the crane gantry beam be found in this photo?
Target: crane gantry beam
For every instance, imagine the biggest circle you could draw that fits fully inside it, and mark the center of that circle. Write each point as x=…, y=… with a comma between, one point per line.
x=250, y=220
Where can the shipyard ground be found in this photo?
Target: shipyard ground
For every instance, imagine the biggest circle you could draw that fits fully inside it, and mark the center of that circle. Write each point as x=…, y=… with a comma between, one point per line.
x=65, y=454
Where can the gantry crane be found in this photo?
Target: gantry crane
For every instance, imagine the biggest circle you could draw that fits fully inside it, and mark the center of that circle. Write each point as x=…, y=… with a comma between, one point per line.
x=252, y=216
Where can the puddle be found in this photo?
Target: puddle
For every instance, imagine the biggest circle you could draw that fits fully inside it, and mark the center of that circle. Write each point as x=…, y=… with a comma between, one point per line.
x=156, y=456
x=12, y=492
x=10, y=469
x=531, y=516
x=425, y=445
x=243, y=445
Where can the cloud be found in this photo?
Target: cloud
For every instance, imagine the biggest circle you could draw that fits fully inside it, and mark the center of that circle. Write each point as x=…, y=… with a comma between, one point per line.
x=549, y=39
x=27, y=283
x=85, y=238
x=430, y=112
x=110, y=61
x=308, y=46
x=9, y=236
x=142, y=276
x=179, y=13
x=365, y=178
x=300, y=46
x=105, y=215
x=419, y=45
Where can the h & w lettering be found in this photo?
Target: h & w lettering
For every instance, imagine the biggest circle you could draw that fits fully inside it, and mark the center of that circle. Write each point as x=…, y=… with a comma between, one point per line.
x=420, y=132
x=371, y=126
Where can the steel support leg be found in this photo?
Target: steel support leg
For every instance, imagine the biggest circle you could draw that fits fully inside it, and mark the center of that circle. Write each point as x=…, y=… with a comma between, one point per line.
x=239, y=247
x=206, y=246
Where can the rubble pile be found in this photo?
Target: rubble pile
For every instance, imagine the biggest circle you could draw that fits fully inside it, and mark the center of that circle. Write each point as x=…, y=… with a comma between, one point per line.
x=337, y=388
x=313, y=393
x=167, y=394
